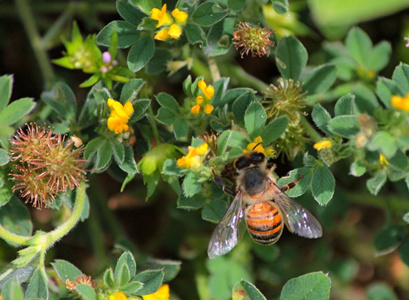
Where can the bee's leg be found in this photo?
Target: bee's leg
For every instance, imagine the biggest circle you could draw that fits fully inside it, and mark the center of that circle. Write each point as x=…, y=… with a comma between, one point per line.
x=291, y=184
x=219, y=181
x=271, y=165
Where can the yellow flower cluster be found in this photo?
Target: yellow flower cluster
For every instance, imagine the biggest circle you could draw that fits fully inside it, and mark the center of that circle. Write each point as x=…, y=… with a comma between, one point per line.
x=161, y=294
x=119, y=117
x=322, y=145
x=203, y=101
x=401, y=103
x=193, y=159
x=256, y=145
x=171, y=27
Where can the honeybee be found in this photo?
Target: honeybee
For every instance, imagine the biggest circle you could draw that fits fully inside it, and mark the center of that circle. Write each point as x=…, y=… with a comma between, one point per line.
x=263, y=206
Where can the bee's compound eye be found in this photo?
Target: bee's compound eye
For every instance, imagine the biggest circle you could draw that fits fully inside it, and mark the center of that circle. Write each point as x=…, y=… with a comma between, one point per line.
x=257, y=157
x=241, y=163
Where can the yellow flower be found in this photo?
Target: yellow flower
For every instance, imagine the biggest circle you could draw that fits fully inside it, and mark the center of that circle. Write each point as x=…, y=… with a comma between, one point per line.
x=161, y=294
x=118, y=296
x=208, y=91
x=119, y=117
x=162, y=35
x=175, y=31
x=401, y=103
x=202, y=102
x=382, y=160
x=257, y=146
x=161, y=16
x=323, y=144
x=193, y=159
x=199, y=100
x=195, y=109
x=208, y=109
x=179, y=15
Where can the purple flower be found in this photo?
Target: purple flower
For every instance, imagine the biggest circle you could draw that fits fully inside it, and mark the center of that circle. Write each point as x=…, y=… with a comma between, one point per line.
x=106, y=57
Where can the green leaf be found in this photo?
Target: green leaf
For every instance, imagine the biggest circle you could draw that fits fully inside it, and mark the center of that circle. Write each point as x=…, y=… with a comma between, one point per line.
x=195, y=34
x=291, y=57
x=122, y=275
x=140, y=108
x=266, y=253
x=118, y=151
x=141, y=53
x=127, y=34
x=240, y=106
x=321, y=118
x=37, y=288
x=232, y=94
x=132, y=287
x=195, y=202
x=12, y=290
x=191, y=186
x=345, y=126
x=170, y=168
x=380, y=291
x=165, y=116
x=208, y=14
x=404, y=250
x=345, y=105
x=399, y=160
x=104, y=156
x=401, y=77
x=301, y=186
x=62, y=100
x=322, y=185
x=379, y=56
x=129, y=166
x=171, y=268
x=6, y=192
x=15, y=111
x=406, y=217
x=357, y=168
x=151, y=279
x=236, y=5
x=14, y=217
x=359, y=45
x=255, y=118
x=146, y=5
x=388, y=238
x=109, y=279
x=159, y=61
x=86, y=292
x=92, y=147
x=19, y=274
x=168, y=101
x=247, y=289
x=365, y=99
x=126, y=259
x=180, y=127
x=281, y=7
x=320, y=79
x=131, y=90
x=6, y=84
x=214, y=210
x=129, y=12
x=66, y=270
x=218, y=40
x=310, y=286
x=384, y=142
x=4, y=158
x=230, y=138
x=274, y=130
x=376, y=183
x=385, y=88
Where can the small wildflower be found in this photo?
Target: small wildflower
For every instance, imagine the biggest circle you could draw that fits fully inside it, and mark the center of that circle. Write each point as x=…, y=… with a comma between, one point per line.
x=161, y=294
x=175, y=31
x=119, y=117
x=162, y=16
x=203, y=101
x=45, y=165
x=179, y=15
x=82, y=279
x=162, y=35
x=118, y=296
x=170, y=28
x=257, y=145
x=255, y=40
x=383, y=160
x=323, y=145
x=401, y=103
x=106, y=57
x=193, y=160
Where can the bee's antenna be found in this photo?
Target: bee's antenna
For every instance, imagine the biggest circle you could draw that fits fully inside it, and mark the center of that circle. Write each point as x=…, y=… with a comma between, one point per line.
x=256, y=146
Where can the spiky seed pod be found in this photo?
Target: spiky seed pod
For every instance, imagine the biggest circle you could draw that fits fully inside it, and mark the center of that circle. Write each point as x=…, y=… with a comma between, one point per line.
x=45, y=164
x=286, y=98
x=252, y=39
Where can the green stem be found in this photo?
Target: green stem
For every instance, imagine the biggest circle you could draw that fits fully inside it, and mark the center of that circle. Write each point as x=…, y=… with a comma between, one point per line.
x=214, y=70
x=70, y=223
x=12, y=237
x=33, y=35
x=200, y=69
x=244, y=78
x=152, y=122
x=310, y=130
x=57, y=26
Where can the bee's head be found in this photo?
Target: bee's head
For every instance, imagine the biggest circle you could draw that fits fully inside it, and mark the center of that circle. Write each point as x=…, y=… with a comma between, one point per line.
x=251, y=159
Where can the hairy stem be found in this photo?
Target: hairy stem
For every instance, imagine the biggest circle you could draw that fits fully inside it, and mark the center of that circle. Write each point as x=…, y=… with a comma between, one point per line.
x=12, y=237
x=152, y=122
x=310, y=130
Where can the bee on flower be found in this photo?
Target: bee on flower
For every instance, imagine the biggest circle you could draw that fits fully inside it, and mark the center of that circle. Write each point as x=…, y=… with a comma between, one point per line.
x=257, y=145
x=202, y=101
x=119, y=117
x=170, y=24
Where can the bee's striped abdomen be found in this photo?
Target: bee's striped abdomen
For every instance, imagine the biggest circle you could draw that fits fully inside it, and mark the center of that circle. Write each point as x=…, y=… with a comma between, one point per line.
x=264, y=222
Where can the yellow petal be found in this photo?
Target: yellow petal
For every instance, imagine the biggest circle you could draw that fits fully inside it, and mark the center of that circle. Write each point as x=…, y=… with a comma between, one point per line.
x=110, y=102
x=208, y=109
x=195, y=109
x=162, y=35
x=156, y=14
x=128, y=108
x=202, y=149
x=179, y=15
x=199, y=100
x=258, y=140
x=118, y=296
x=322, y=145
x=175, y=31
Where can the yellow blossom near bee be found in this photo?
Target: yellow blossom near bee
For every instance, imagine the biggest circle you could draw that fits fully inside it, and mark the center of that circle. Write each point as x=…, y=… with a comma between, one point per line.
x=256, y=145
x=119, y=117
x=322, y=145
x=202, y=102
x=161, y=294
x=401, y=103
x=383, y=160
x=193, y=159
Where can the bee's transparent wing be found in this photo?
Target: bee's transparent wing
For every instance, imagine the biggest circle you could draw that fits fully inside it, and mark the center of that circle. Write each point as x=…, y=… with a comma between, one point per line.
x=226, y=234
x=298, y=220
